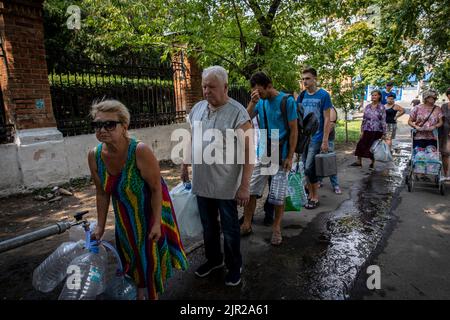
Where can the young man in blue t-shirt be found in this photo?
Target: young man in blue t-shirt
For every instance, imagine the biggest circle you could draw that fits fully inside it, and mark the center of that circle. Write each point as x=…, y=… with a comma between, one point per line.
x=388, y=91
x=266, y=104
x=317, y=101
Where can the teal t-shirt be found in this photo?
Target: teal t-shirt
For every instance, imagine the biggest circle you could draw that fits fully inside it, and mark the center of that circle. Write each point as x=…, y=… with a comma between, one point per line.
x=275, y=120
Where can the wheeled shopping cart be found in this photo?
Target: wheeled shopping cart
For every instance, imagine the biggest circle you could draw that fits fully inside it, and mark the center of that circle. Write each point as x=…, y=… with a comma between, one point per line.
x=425, y=170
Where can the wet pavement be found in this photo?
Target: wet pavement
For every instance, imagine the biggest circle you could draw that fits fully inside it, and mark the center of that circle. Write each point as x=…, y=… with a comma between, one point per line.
x=320, y=259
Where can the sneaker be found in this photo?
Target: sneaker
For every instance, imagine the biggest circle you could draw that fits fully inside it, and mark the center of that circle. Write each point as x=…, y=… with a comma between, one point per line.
x=206, y=269
x=233, y=279
x=337, y=190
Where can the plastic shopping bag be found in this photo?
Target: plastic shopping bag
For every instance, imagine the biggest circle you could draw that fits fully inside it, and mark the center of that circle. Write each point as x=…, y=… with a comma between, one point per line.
x=296, y=196
x=186, y=210
x=381, y=151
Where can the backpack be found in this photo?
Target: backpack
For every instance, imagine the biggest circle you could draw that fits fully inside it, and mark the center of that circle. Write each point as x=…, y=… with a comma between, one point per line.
x=306, y=127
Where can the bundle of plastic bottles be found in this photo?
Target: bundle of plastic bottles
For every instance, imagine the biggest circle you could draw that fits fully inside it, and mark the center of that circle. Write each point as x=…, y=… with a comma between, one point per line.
x=278, y=188
x=84, y=265
x=426, y=160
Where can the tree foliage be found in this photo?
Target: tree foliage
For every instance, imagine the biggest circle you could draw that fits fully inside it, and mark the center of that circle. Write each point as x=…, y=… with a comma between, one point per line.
x=278, y=36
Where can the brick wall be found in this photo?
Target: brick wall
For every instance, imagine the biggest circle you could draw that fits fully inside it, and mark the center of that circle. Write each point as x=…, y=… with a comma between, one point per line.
x=188, y=81
x=24, y=79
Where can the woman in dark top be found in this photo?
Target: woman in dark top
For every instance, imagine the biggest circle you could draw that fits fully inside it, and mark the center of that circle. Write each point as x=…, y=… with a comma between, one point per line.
x=391, y=117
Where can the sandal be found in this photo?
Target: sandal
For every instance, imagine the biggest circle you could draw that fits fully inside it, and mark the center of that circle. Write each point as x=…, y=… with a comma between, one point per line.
x=276, y=238
x=312, y=204
x=246, y=232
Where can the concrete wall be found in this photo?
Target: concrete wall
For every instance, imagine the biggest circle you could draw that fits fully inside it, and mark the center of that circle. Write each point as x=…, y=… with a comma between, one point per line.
x=10, y=173
x=41, y=157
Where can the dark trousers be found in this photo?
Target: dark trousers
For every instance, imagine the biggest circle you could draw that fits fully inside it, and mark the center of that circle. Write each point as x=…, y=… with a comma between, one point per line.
x=209, y=211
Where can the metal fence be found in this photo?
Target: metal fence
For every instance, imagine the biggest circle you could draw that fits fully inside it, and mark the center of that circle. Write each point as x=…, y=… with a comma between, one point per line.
x=147, y=91
x=6, y=130
x=240, y=94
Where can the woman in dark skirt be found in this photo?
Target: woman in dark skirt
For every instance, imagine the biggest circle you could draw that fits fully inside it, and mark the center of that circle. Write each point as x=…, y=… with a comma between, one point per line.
x=373, y=127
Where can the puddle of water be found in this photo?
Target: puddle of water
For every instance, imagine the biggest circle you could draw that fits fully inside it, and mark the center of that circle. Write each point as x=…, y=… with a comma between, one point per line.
x=355, y=229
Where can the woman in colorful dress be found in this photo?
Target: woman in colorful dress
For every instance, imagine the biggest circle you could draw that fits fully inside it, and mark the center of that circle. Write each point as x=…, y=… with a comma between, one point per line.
x=373, y=127
x=425, y=118
x=126, y=171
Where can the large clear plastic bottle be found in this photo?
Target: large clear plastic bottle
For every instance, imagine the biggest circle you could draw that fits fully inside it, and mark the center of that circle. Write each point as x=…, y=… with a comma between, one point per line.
x=278, y=188
x=121, y=288
x=54, y=269
x=88, y=277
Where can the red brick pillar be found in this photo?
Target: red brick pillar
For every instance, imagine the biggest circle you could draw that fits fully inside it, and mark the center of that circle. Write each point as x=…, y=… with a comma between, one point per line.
x=23, y=69
x=187, y=81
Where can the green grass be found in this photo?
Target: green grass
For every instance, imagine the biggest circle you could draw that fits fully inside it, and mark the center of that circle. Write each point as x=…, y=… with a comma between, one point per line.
x=354, y=128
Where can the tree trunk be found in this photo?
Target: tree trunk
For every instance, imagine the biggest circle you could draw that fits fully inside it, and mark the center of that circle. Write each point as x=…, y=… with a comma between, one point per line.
x=346, y=126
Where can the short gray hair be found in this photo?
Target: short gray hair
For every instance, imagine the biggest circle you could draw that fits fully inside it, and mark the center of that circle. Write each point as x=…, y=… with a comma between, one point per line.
x=219, y=72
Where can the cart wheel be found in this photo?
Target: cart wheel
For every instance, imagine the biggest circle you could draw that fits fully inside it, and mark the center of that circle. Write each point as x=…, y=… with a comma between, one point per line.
x=442, y=188
x=409, y=182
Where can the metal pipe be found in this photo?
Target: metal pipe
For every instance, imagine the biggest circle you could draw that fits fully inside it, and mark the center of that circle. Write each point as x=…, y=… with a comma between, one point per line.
x=24, y=239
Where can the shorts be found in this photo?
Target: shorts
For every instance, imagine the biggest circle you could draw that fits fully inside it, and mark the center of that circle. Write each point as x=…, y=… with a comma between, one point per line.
x=260, y=177
x=391, y=130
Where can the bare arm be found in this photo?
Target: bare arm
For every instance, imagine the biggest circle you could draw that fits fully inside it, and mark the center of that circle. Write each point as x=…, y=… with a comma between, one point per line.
x=187, y=158
x=293, y=136
x=102, y=198
x=149, y=168
x=243, y=193
x=411, y=123
x=252, y=104
x=400, y=110
x=326, y=129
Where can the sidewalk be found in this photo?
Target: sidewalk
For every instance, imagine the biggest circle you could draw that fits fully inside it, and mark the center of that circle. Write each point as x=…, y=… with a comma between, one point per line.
x=414, y=259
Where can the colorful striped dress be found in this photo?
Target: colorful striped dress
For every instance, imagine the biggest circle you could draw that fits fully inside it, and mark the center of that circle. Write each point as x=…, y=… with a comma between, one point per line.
x=148, y=263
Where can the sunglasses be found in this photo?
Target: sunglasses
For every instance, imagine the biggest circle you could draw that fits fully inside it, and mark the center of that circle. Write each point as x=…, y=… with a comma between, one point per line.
x=109, y=125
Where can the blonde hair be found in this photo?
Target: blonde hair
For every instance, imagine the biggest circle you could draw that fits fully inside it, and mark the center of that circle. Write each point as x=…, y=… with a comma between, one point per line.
x=111, y=106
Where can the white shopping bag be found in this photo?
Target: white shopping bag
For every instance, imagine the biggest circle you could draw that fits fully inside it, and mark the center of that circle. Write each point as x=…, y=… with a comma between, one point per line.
x=186, y=210
x=381, y=152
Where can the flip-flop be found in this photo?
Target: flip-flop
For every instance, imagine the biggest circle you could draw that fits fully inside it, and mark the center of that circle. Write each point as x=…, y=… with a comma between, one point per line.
x=312, y=204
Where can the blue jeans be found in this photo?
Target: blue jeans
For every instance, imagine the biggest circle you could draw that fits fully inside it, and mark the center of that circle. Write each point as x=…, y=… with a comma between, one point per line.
x=209, y=210
x=333, y=179
x=309, y=161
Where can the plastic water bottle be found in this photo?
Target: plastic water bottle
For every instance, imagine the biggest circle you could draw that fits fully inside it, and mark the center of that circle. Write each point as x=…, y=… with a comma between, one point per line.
x=88, y=279
x=121, y=288
x=78, y=233
x=278, y=188
x=53, y=270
